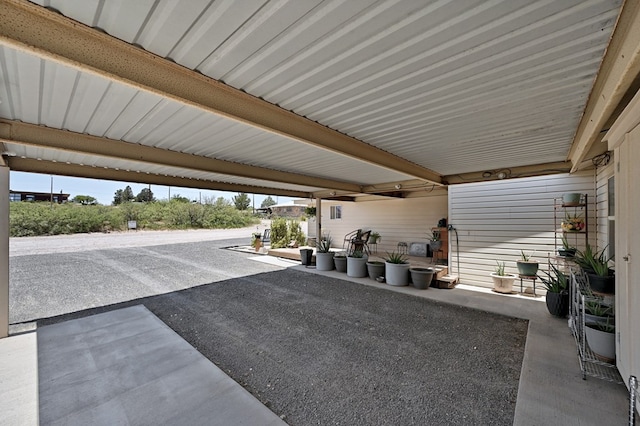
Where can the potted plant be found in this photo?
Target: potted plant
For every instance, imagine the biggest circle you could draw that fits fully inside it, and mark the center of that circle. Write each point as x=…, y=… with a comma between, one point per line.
x=526, y=266
x=324, y=255
x=557, y=285
x=572, y=223
x=601, y=339
x=597, y=311
x=340, y=261
x=256, y=240
x=374, y=237
x=502, y=282
x=357, y=264
x=396, y=269
x=571, y=199
x=434, y=240
x=596, y=266
x=375, y=269
x=421, y=277
x=567, y=250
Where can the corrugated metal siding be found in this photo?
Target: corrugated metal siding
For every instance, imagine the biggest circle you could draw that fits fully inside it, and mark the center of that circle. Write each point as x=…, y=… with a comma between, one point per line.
x=495, y=220
x=406, y=219
x=434, y=82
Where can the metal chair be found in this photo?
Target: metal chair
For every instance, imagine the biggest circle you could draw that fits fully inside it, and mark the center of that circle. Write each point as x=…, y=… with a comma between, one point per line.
x=350, y=236
x=360, y=242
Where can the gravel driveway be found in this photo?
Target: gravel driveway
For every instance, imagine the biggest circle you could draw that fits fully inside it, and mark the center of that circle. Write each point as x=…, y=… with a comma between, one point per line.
x=315, y=350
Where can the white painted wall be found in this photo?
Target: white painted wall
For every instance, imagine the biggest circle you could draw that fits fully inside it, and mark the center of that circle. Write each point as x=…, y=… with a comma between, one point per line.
x=396, y=219
x=495, y=220
x=602, y=199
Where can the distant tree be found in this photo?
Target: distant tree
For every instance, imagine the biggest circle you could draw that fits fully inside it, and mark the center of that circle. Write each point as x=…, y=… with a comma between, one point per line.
x=123, y=196
x=179, y=198
x=85, y=200
x=267, y=202
x=242, y=201
x=145, y=196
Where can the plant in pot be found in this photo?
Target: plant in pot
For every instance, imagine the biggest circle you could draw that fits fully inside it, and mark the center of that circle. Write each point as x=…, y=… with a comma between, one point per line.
x=421, y=277
x=356, y=264
x=340, y=261
x=597, y=311
x=375, y=269
x=596, y=265
x=557, y=285
x=396, y=269
x=526, y=266
x=374, y=237
x=502, y=282
x=601, y=339
x=572, y=223
x=567, y=249
x=434, y=241
x=571, y=199
x=324, y=255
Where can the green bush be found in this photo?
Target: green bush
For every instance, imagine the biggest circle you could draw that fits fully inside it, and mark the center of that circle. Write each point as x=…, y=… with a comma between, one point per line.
x=31, y=219
x=283, y=232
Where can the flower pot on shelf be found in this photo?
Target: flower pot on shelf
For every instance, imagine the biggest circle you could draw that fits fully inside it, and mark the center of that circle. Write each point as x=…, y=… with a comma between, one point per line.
x=602, y=284
x=375, y=269
x=568, y=253
x=572, y=224
x=602, y=341
x=527, y=268
x=571, y=199
x=421, y=277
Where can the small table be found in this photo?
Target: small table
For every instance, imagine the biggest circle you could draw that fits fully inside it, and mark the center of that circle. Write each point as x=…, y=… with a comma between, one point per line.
x=402, y=247
x=532, y=278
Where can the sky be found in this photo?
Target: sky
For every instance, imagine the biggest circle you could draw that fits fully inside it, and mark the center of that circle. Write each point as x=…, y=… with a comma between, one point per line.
x=104, y=190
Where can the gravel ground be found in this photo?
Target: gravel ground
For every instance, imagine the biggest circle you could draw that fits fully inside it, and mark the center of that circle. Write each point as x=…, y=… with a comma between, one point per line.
x=315, y=350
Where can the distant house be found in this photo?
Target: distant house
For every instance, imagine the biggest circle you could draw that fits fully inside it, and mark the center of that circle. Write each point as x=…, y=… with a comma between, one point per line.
x=292, y=209
x=37, y=196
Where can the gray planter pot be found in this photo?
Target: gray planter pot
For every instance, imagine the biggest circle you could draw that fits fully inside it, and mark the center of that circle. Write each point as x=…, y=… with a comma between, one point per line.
x=421, y=277
x=324, y=261
x=341, y=263
x=529, y=269
x=375, y=269
x=571, y=199
x=357, y=267
x=396, y=274
x=602, y=344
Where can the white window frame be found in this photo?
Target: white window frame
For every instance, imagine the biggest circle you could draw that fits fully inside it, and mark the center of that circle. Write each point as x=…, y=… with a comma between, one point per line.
x=336, y=212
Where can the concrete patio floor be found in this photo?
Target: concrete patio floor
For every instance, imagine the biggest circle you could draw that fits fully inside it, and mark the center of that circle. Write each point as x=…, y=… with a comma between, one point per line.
x=551, y=390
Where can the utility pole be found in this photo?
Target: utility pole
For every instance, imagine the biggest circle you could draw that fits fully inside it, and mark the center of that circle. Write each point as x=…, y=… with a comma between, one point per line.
x=51, y=193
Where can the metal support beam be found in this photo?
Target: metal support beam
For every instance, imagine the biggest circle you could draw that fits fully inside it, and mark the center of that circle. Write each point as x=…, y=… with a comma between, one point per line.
x=619, y=68
x=514, y=172
x=4, y=251
x=48, y=167
x=29, y=134
x=33, y=29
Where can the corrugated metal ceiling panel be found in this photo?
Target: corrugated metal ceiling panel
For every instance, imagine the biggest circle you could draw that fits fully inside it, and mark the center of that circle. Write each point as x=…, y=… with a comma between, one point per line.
x=47, y=154
x=61, y=97
x=436, y=82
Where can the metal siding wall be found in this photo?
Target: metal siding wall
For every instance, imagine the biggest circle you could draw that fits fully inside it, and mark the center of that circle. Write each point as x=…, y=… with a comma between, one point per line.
x=495, y=220
x=403, y=219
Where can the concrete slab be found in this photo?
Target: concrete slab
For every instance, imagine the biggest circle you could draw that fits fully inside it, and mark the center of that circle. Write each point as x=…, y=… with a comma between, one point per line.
x=128, y=367
x=19, y=380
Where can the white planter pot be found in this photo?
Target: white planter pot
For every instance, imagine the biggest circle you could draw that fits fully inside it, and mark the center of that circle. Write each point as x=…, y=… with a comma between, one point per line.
x=357, y=267
x=602, y=344
x=503, y=283
x=324, y=261
x=396, y=274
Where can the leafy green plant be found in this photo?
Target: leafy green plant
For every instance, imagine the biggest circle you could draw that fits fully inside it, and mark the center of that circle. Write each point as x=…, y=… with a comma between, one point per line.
x=324, y=244
x=555, y=281
x=597, y=308
x=525, y=257
x=598, y=262
x=375, y=237
x=357, y=254
x=607, y=326
x=566, y=245
x=499, y=269
x=397, y=258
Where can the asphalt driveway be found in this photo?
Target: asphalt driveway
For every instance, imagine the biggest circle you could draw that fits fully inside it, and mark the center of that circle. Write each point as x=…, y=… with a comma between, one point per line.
x=315, y=350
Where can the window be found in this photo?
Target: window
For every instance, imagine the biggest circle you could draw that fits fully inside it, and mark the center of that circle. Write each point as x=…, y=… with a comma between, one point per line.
x=14, y=197
x=336, y=212
x=611, y=219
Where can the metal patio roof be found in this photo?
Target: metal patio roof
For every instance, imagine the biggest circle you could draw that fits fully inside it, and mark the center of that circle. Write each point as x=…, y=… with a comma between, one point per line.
x=296, y=98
